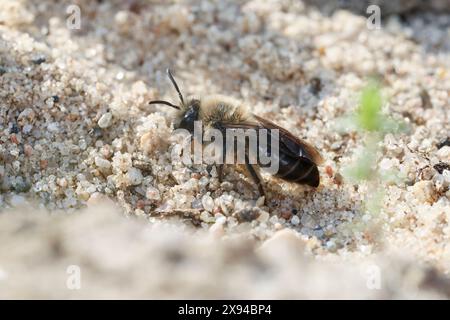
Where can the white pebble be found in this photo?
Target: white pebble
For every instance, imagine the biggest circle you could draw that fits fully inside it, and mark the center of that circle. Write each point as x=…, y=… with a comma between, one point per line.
x=331, y=246
x=208, y=203
x=264, y=216
x=295, y=220
x=102, y=163
x=105, y=120
x=152, y=193
x=260, y=201
x=206, y=217
x=444, y=153
x=53, y=127
x=134, y=176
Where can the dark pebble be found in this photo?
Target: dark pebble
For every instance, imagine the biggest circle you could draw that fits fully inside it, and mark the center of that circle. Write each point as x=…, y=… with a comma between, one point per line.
x=247, y=215
x=443, y=143
x=426, y=100
x=316, y=85
x=441, y=166
x=96, y=132
x=14, y=129
x=38, y=60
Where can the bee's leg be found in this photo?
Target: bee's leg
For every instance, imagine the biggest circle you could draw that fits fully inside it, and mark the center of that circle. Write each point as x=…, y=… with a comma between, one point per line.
x=255, y=176
x=219, y=168
x=191, y=143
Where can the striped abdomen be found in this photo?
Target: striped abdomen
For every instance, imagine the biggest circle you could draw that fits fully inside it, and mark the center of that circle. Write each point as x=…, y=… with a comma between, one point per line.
x=298, y=170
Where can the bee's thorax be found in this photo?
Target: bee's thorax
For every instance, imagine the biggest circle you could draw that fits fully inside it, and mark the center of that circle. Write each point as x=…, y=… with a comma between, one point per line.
x=223, y=109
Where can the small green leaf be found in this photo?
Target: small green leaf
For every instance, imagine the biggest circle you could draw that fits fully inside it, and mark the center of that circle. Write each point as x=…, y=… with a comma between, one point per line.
x=369, y=110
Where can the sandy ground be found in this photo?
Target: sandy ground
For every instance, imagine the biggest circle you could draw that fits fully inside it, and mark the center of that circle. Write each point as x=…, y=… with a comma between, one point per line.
x=87, y=178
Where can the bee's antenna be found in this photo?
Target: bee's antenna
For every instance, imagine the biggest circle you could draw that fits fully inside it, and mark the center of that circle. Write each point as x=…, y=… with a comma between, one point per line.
x=175, y=85
x=164, y=102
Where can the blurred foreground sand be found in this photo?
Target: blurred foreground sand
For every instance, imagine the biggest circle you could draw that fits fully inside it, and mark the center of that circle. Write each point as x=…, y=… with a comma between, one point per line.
x=126, y=258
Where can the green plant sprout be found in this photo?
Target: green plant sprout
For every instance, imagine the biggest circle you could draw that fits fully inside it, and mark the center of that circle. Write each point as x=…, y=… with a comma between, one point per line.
x=368, y=113
x=373, y=125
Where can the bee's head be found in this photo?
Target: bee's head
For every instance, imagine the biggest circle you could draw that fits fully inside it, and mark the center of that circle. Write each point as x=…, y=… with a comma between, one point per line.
x=189, y=110
x=189, y=115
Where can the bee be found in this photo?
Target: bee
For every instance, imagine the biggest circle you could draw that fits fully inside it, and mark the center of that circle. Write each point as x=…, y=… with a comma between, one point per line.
x=298, y=160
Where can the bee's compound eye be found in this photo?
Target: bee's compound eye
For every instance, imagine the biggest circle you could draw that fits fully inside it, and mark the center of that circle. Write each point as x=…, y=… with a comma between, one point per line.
x=189, y=118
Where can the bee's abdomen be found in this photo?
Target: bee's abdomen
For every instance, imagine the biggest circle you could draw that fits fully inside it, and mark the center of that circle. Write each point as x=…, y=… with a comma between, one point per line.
x=298, y=170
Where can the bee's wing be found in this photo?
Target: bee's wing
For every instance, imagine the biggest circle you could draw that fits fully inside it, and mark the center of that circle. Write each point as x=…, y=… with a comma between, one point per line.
x=288, y=143
x=296, y=146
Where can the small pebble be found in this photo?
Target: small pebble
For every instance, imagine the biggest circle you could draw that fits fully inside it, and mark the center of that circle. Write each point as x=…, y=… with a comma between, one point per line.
x=443, y=143
x=38, y=60
x=197, y=204
x=134, y=176
x=264, y=216
x=14, y=129
x=247, y=215
x=260, y=201
x=424, y=191
x=43, y=164
x=28, y=150
x=295, y=220
x=62, y=182
x=441, y=166
x=208, y=203
x=152, y=193
x=14, y=139
x=102, y=163
x=286, y=214
x=331, y=246
x=316, y=85
x=105, y=120
x=444, y=153
x=206, y=217
x=329, y=171
x=140, y=204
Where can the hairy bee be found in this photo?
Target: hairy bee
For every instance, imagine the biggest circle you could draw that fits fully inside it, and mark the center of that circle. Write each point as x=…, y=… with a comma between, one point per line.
x=298, y=160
